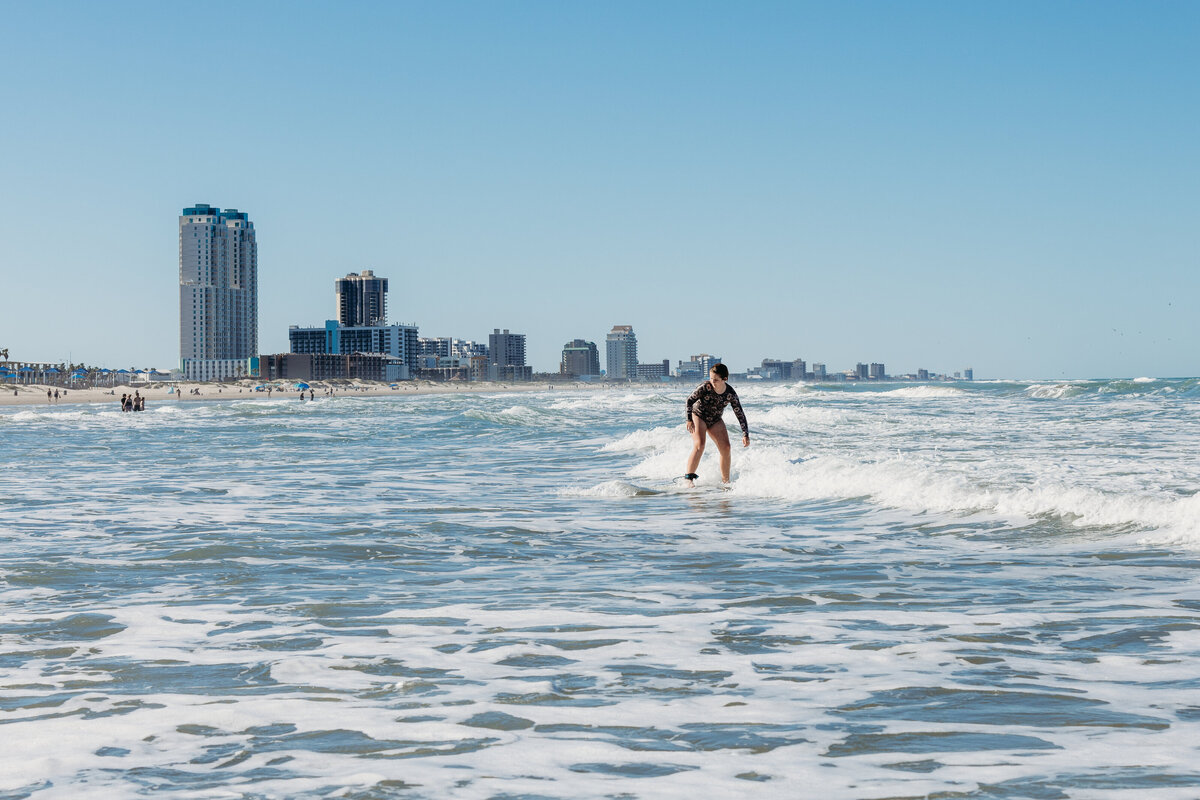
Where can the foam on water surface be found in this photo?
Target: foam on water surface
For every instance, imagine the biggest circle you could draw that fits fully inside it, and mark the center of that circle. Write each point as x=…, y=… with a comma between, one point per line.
x=908, y=591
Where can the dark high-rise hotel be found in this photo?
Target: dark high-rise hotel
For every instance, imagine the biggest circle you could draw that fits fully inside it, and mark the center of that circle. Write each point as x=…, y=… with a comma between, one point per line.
x=361, y=299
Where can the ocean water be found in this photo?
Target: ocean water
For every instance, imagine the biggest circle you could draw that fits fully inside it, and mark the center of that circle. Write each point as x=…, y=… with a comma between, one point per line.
x=982, y=590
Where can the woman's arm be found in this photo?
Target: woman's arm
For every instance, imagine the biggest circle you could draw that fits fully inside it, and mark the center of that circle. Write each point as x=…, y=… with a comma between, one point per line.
x=741, y=416
x=691, y=401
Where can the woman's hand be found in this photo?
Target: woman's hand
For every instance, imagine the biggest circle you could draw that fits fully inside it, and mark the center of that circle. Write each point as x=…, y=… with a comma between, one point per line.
x=745, y=441
x=691, y=426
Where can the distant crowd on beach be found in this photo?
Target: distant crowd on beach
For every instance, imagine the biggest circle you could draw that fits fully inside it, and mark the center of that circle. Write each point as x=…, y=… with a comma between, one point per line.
x=133, y=402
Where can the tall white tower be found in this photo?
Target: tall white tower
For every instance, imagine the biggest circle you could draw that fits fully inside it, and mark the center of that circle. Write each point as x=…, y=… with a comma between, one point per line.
x=218, y=284
x=621, y=352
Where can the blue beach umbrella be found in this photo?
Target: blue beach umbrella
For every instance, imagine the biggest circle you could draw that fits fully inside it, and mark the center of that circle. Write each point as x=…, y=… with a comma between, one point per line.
x=301, y=385
x=52, y=371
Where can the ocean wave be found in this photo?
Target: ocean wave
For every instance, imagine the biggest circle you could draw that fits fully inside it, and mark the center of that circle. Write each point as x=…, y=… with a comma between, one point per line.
x=522, y=416
x=608, y=489
x=927, y=485
x=924, y=391
x=610, y=401
x=1055, y=391
x=654, y=439
x=920, y=486
x=798, y=417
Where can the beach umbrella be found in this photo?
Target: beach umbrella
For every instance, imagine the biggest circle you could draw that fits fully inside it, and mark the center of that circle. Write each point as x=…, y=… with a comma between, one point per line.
x=301, y=385
x=52, y=371
x=27, y=369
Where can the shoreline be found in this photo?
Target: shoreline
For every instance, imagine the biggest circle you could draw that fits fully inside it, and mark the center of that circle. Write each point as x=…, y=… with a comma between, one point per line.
x=158, y=393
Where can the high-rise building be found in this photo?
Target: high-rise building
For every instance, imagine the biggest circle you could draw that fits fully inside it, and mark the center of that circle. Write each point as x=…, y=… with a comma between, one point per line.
x=218, y=289
x=774, y=369
x=819, y=373
x=361, y=299
x=580, y=358
x=861, y=371
x=877, y=372
x=621, y=353
x=798, y=369
x=969, y=374
x=506, y=357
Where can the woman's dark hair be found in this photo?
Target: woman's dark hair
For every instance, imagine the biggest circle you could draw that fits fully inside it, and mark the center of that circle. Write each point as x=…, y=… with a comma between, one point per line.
x=721, y=370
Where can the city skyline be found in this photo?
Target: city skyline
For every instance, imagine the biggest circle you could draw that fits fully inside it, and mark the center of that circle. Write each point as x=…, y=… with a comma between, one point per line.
x=1003, y=185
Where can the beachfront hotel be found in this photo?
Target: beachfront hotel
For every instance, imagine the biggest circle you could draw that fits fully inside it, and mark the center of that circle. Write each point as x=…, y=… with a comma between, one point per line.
x=218, y=293
x=361, y=299
x=506, y=357
x=621, y=353
x=580, y=358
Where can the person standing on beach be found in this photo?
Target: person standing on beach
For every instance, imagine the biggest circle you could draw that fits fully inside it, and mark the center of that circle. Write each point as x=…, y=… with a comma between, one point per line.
x=705, y=408
x=56, y=395
x=48, y=396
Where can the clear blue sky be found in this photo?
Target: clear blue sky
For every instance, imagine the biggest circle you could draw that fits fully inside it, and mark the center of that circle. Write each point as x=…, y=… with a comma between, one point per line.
x=1011, y=186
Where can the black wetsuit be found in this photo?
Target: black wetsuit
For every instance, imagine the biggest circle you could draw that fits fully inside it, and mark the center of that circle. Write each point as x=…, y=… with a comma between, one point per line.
x=706, y=404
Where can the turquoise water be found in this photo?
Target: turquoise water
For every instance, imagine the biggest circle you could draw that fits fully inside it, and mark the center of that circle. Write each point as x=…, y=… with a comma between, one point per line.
x=979, y=590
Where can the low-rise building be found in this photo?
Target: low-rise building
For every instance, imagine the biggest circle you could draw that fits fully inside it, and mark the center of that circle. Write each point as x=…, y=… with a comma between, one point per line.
x=654, y=372
x=332, y=366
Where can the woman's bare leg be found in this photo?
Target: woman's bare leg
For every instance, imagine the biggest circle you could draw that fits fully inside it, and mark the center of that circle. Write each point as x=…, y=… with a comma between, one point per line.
x=720, y=437
x=698, y=431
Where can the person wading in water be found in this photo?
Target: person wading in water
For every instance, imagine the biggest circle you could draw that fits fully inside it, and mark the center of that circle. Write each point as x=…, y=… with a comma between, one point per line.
x=704, y=409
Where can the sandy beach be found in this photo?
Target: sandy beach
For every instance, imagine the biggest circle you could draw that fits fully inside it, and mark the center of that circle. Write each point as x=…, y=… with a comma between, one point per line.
x=157, y=393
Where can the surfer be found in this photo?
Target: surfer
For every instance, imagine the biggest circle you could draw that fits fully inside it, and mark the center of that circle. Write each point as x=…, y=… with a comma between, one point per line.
x=704, y=409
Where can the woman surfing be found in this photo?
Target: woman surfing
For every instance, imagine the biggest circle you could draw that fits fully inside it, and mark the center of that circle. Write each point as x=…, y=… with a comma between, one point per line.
x=704, y=409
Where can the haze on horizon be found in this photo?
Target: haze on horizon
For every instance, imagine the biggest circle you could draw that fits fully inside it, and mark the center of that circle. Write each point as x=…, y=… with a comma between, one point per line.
x=1009, y=186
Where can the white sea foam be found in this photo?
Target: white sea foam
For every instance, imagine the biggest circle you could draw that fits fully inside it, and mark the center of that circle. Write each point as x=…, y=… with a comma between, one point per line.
x=924, y=391
x=1054, y=391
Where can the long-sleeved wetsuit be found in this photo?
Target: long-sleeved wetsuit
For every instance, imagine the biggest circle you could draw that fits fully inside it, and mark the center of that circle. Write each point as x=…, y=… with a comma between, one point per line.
x=706, y=404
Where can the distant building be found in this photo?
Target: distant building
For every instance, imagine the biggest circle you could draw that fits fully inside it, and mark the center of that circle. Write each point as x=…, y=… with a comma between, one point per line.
x=969, y=374
x=654, y=372
x=775, y=370
x=397, y=341
x=218, y=369
x=218, y=289
x=819, y=373
x=799, y=370
x=448, y=346
x=922, y=374
x=877, y=372
x=580, y=358
x=332, y=366
x=861, y=371
x=361, y=299
x=621, y=353
x=506, y=349
x=506, y=357
x=697, y=366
